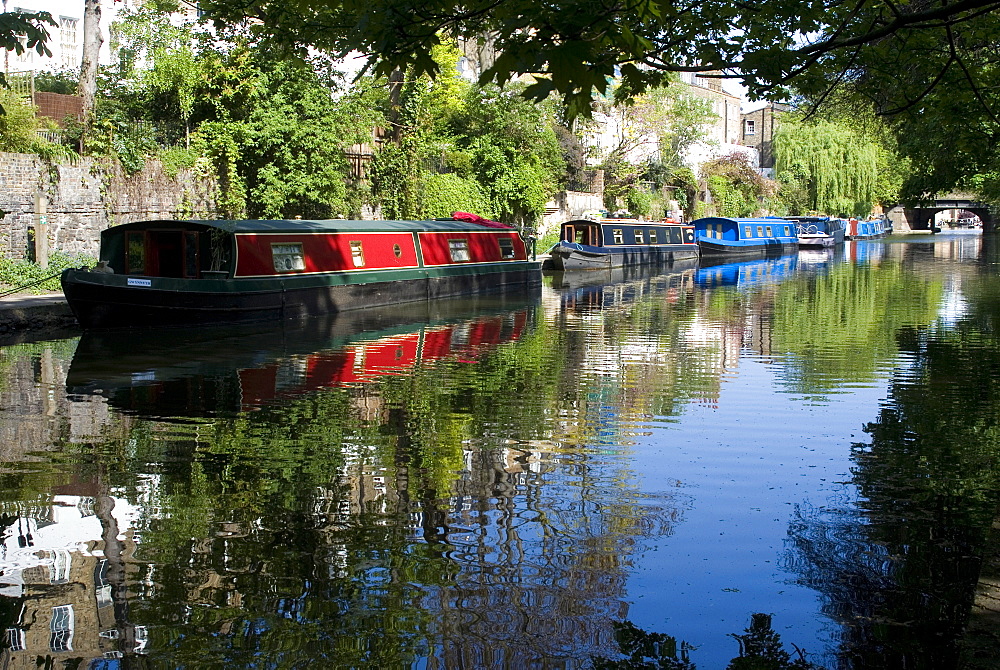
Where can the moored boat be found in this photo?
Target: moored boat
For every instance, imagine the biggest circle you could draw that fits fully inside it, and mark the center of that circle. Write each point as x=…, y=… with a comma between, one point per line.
x=157, y=273
x=818, y=231
x=725, y=236
x=612, y=243
x=871, y=229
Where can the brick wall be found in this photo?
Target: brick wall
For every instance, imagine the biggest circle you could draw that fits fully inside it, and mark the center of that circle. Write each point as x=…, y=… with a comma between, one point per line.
x=88, y=195
x=58, y=106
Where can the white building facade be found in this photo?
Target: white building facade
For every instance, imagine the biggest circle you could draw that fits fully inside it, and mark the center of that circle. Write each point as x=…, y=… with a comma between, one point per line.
x=66, y=40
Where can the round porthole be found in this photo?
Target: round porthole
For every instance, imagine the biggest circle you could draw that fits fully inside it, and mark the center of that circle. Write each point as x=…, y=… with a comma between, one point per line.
x=397, y=251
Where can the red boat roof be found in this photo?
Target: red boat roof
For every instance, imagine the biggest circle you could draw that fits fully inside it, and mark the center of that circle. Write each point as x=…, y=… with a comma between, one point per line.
x=315, y=226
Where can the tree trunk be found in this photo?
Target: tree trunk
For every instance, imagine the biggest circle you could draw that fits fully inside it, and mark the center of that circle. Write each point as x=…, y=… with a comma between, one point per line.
x=92, y=41
x=395, y=113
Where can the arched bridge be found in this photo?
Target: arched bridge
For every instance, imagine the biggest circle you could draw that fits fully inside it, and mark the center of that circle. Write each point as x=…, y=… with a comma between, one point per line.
x=922, y=218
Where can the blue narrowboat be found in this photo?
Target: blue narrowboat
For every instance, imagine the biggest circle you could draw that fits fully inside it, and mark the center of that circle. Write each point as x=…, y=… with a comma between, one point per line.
x=868, y=230
x=819, y=231
x=724, y=236
x=612, y=243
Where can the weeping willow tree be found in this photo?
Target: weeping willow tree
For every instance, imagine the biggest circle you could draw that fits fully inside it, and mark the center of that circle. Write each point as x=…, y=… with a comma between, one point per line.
x=826, y=167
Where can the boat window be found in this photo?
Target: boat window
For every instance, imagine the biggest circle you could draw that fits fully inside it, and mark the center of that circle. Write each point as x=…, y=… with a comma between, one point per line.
x=788, y=231
x=135, y=262
x=652, y=237
x=506, y=247
x=674, y=235
x=459, y=250
x=747, y=231
x=287, y=257
x=357, y=254
x=619, y=236
x=639, y=237
x=760, y=231
x=770, y=233
x=580, y=237
x=397, y=251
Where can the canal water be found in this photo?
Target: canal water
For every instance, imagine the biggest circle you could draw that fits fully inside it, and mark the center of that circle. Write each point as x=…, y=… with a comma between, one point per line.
x=796, y=457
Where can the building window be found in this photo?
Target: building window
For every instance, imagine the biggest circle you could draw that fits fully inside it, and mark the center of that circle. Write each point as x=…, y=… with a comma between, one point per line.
x=639, y=237
x=750, y=128
x=652, y=237
x=59, y=569
x=357, y=254
x=506, y=247
x=459, y=250
x=15, y=639
x=619, y=236
x=61, y=629
x=67, y=41
x=287, y=257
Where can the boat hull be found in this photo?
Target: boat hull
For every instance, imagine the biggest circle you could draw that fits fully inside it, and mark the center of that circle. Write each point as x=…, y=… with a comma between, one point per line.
x=771, y=248
x=120, y=301
x=570, y=256
x=817, y=241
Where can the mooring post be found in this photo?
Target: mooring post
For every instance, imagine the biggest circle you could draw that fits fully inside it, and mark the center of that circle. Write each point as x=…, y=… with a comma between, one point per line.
x=42, y=230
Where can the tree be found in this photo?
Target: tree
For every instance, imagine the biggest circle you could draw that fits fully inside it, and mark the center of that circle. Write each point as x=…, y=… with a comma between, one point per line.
x=20, y=31
x=737, y=187
x=826, y=167
x=92, y=41
x=574, y=47
x=661, y=126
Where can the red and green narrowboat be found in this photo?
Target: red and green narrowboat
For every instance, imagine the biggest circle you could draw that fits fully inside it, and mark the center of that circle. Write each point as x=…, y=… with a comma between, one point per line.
x=156, y=273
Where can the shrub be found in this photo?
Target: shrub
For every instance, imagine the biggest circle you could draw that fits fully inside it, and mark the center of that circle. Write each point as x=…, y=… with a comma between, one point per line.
x=18, y=273
x=448, y=193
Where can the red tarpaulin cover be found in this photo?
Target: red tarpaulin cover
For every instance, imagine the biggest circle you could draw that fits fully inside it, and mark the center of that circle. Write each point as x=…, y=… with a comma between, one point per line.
x=475, y=218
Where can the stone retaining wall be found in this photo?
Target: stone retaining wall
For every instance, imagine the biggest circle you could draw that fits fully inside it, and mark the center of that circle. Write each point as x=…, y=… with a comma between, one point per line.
x=89, y=195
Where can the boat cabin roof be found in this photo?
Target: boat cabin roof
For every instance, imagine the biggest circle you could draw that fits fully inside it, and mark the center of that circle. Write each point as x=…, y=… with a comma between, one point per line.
x=309, y=226
x=623, y=222
x=766, y=220
x=810, y=219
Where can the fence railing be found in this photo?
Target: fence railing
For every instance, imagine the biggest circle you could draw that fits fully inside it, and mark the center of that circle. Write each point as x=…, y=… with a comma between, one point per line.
x=22, y=83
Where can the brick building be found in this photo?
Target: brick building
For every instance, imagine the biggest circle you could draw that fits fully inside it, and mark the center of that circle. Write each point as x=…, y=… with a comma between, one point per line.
x=758, y=132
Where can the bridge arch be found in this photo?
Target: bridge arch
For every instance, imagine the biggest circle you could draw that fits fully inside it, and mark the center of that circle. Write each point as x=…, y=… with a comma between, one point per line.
x=922, y=218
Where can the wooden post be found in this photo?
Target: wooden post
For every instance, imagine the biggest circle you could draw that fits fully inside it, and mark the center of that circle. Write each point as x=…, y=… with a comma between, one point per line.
x=42, y=231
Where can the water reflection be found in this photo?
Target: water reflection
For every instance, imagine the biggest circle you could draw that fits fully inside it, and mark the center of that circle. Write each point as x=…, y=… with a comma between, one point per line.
x=369, y=496
x=216, y=370
x=509, y=482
